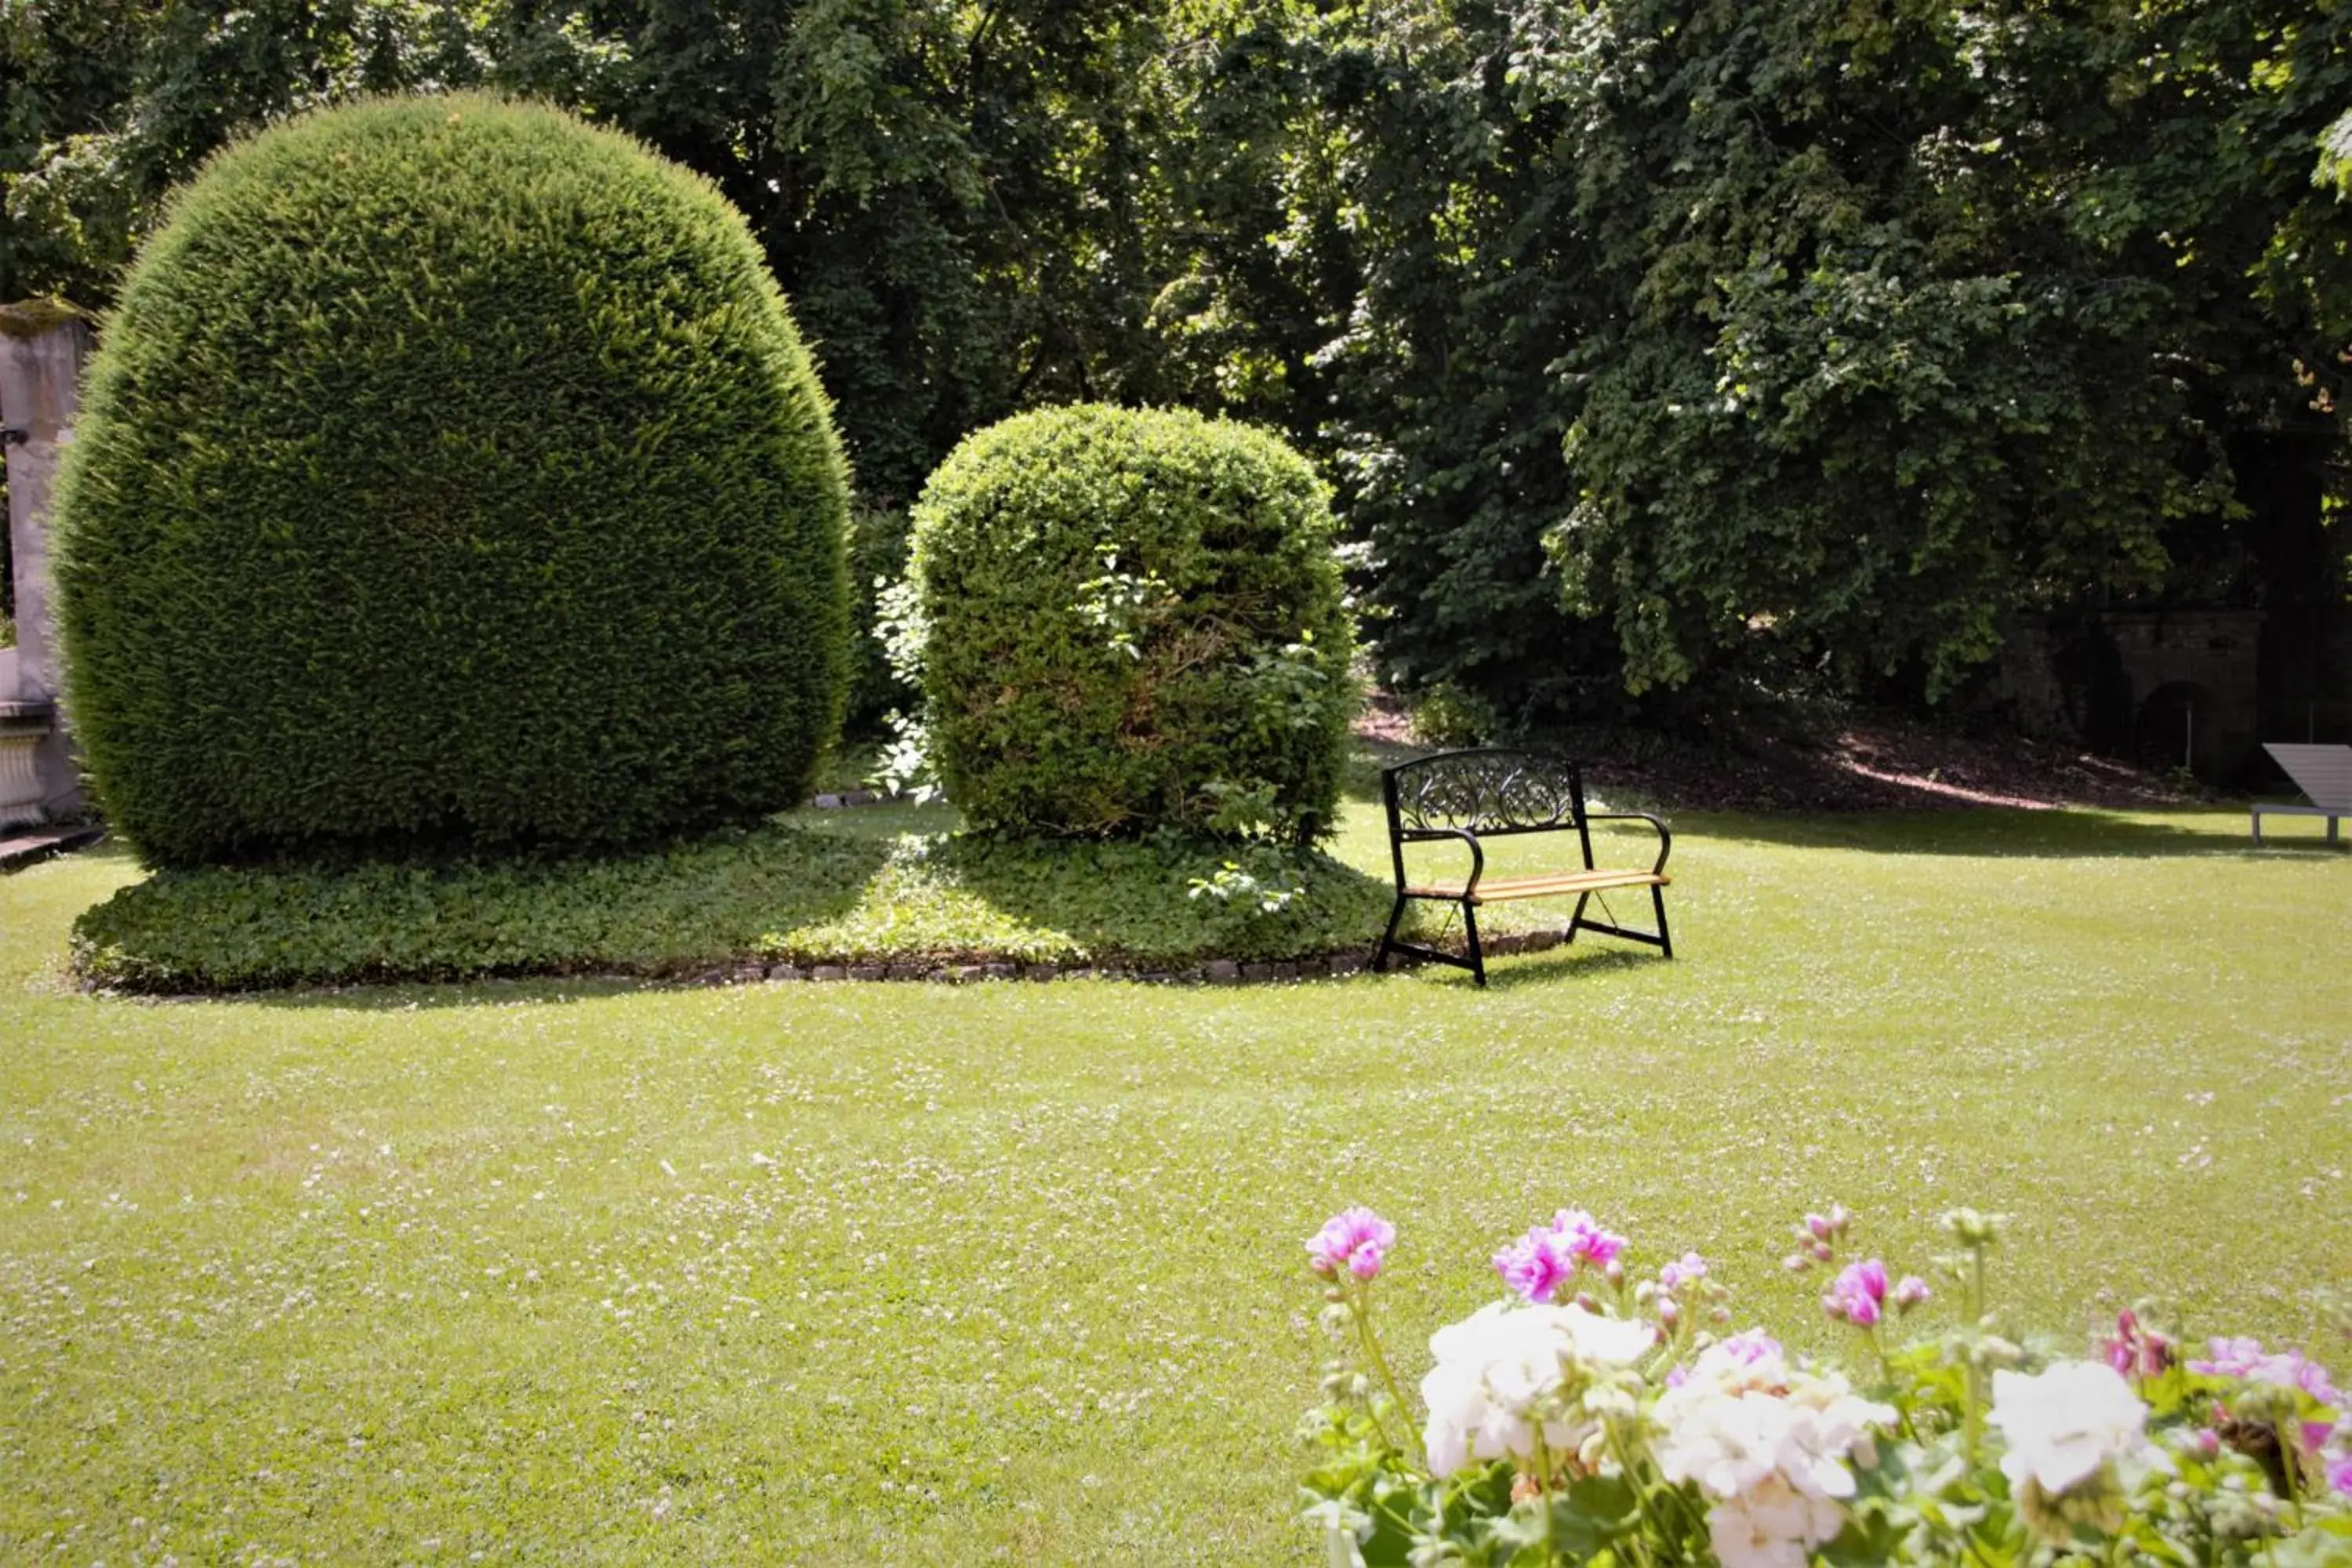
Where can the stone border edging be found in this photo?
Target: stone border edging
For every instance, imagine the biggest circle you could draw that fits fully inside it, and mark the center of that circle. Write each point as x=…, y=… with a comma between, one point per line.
x=1211, y=972
x=849, y=798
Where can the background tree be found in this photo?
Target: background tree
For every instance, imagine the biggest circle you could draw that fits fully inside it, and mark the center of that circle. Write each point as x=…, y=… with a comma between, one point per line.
x=1657, y=350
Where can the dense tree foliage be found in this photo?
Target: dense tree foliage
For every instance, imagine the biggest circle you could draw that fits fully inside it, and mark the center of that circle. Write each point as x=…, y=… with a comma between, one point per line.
x=1864, y=325
x=1652, y=346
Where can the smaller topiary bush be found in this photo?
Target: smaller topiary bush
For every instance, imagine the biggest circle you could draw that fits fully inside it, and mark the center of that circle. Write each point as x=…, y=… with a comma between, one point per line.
x=1132, y=621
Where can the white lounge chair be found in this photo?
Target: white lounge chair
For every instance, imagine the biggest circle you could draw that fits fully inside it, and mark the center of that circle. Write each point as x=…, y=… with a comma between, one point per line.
x=2324, y=774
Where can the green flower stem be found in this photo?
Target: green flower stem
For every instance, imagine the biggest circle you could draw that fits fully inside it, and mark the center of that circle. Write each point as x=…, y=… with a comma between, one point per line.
x=1641, y=1491
x=1972, y=1410
x=2291, y=1466
x=1879, y=1352
x=1362, y=1310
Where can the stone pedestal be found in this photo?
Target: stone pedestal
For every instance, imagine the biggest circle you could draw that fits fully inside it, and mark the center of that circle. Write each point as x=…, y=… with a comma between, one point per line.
x=42, y=347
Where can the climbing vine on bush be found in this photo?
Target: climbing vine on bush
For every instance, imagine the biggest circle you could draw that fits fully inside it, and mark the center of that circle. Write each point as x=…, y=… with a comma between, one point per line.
x=1132, y=621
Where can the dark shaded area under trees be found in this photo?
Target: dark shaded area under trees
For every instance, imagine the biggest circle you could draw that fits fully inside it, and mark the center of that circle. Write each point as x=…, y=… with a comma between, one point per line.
x=1660, y=354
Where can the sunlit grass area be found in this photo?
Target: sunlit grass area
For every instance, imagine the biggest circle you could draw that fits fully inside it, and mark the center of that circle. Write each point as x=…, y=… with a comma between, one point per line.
x=579, y=1271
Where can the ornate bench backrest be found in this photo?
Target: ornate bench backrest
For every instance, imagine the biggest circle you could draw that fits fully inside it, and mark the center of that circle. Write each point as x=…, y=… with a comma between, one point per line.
x=1487, y=792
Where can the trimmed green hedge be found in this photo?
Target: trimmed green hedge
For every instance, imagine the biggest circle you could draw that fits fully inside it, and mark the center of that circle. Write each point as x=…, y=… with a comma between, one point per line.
x=1133, y=622
x=451, y=472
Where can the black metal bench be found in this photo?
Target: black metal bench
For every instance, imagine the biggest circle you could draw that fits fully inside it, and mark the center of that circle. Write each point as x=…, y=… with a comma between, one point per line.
x=1470, y=795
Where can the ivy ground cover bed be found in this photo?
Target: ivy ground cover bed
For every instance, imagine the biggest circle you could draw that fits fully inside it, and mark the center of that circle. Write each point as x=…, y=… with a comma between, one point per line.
x=552, y=1270
x=892, y=886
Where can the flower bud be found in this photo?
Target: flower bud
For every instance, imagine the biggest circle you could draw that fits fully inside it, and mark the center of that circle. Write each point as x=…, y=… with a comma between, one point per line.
x=1996, y=1351
x=1670, y=1312
x=2266, y=1404
x=1608, y=1403
x=1797, y=1262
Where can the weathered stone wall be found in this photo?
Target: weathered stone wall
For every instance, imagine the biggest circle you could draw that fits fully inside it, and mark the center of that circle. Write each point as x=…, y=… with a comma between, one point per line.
x=2167, y=688
x=42, y=350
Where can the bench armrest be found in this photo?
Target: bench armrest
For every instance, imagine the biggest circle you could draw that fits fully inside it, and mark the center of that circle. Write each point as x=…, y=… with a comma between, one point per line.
x=1478, y=857
x=1666, y=834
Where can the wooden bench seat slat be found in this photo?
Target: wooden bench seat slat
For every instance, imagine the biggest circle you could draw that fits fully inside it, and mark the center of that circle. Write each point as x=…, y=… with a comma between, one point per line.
x=1502, y=890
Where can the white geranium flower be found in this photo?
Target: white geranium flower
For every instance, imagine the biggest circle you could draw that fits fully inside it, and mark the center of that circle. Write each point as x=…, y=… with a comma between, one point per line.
x=1605, y=1341
x=1772, y=1526
x=1769, y=1447
x=1495, y=1367
x=2065, y=1425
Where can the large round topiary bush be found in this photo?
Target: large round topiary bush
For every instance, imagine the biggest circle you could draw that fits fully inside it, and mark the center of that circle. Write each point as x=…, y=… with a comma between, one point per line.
x=450, y=472
x=1132, y=621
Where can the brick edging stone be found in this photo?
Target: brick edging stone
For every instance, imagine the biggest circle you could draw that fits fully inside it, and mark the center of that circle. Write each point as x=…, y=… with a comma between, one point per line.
x=1211, y=972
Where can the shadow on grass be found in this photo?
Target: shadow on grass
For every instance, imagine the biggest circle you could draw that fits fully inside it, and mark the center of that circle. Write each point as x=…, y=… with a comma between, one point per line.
x=1136, y=900
x=1558, y=966
x=1360, y=780
x=1999, y=832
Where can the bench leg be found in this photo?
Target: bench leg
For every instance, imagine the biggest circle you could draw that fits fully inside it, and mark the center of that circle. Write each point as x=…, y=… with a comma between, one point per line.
x=2257, y=830
x=1388, y=937
x=1576, y=920
x=1660, y=939
x=2331, y=830
x=1477, y=957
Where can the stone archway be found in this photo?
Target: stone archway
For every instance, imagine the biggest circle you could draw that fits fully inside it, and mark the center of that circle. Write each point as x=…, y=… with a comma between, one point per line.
x=2178, y=727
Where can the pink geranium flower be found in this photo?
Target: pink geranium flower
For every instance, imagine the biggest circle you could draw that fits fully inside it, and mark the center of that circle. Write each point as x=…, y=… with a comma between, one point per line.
x=1859, y=1297
x=2245, y=1359
x=1356, y=1240
x=1676, y=1274
x=1752, y=1346
x=2136, y=1350
x=1537, y=1265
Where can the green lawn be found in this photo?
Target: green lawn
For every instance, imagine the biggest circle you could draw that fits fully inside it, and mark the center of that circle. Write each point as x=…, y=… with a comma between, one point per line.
x=556, y=1271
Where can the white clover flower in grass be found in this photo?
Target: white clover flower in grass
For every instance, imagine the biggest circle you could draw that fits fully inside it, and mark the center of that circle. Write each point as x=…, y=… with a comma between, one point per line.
x=2066, y=1425
x=1499, y=1368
